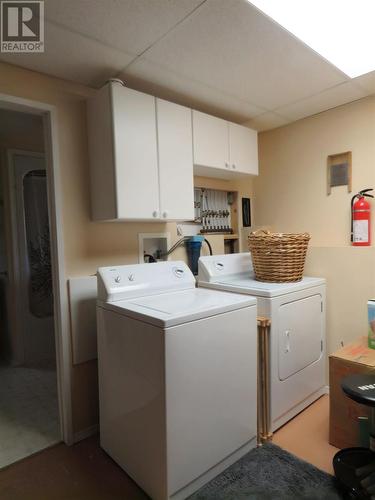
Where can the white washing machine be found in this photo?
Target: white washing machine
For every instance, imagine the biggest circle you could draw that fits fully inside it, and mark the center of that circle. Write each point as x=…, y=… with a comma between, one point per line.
x=297, y=343
x=177, y=376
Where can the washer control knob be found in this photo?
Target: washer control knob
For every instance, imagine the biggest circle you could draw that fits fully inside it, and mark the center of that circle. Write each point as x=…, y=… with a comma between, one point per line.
x=131, y=277
x=118, y=279
x=178, y=272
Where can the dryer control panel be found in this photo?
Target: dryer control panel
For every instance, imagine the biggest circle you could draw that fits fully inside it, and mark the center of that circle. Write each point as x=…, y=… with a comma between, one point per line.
x=214, y=268
x=127, y=282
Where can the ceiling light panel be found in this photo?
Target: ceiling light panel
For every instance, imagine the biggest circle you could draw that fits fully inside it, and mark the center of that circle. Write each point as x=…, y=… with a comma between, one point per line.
x=342, y=31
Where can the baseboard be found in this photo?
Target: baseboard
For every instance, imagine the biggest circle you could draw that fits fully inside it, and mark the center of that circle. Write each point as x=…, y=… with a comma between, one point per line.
x=85, y=433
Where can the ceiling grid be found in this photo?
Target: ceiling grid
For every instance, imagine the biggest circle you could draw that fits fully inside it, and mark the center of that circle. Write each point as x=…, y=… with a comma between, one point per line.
x=223, y=57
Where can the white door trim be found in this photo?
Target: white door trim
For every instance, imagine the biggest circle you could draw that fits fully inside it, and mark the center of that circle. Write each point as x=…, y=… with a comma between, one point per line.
x=61, y=310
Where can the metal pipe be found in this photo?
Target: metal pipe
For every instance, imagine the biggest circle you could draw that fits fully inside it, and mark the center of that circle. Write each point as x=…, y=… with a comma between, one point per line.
x=263, y=397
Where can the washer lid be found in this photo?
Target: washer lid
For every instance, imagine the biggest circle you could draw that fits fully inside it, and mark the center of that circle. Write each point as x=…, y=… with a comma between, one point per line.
x=246, y=283
x=171, y=309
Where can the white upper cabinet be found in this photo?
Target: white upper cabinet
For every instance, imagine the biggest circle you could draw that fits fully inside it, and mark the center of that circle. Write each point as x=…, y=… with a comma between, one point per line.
x=136, y=160
x=123, y=154
x=145, y=151
x=140, y=157
x=243, y=144
x=223, y=149
x=210, y=141
x=175, y=147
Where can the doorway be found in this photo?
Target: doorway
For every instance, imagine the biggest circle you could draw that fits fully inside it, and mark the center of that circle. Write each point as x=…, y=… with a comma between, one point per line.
x=29, y=405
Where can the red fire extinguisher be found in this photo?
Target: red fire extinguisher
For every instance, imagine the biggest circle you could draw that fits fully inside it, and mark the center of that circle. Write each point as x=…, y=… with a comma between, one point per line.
x=361, y=219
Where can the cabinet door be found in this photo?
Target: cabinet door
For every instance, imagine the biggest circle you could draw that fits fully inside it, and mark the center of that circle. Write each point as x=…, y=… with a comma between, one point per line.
x=101, y=155
x=136, y=163
x=175, y=148
x=243, y=145
x=210, y=141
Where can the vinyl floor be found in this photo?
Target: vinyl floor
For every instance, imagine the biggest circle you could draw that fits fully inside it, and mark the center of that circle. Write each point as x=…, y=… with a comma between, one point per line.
x=29, y=420
x=85, y=472
x=306, y=436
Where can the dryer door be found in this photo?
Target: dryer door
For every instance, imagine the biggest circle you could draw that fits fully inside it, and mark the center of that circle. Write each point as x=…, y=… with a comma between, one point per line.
x=300, y=335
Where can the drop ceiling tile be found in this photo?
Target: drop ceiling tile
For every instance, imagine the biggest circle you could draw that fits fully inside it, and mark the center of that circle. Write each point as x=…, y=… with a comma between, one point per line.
x=130, y=25
x=266, y=121
x=336, y=96
x=229, y=45
x=156, y=80
x=367, y=82
x=72, y=57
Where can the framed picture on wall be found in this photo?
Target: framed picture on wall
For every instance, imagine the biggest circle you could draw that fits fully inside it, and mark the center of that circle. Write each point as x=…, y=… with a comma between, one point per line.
x=246, y=212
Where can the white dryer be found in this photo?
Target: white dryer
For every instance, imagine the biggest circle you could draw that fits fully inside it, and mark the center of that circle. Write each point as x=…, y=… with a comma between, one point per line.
x=297, y=343
x=177, y=376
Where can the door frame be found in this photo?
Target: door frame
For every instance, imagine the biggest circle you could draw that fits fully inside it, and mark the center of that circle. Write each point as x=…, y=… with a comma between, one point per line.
x=61, y=308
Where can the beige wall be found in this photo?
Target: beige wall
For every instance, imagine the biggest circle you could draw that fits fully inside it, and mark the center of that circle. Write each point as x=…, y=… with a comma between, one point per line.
x=87, y=244
x=290, y=195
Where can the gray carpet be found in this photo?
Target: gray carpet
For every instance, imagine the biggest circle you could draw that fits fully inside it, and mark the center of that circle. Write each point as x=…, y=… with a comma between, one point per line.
x=270, y=472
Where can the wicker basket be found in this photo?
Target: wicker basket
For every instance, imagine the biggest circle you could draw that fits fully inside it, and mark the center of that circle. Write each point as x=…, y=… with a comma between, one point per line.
x=278, y=257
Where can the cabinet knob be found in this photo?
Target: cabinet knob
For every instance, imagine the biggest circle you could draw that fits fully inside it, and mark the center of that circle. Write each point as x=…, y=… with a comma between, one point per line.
x=165, y=215
x=233, y=166
x=227, y=165
x=154, y=213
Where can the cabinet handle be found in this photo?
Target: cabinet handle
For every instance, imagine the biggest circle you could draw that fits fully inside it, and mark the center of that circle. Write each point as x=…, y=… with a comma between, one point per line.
x=155, y=214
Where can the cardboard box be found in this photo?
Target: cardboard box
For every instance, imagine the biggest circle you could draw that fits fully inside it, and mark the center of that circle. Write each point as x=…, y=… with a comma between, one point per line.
x=355, y=358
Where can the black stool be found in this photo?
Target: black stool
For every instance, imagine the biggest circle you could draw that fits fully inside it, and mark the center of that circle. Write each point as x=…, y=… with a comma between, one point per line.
x=355, y=467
